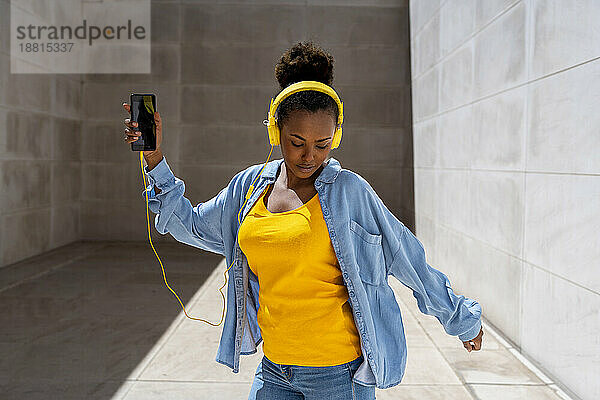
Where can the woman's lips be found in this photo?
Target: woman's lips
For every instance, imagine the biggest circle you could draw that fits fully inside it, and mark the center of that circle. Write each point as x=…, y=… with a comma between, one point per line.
x=304, y=169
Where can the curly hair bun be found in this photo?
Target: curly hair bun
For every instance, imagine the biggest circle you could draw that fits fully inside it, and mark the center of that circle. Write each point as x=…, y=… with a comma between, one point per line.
x=305, y=61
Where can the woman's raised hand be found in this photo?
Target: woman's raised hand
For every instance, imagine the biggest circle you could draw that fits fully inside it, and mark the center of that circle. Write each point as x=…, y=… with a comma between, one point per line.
x=131, y=135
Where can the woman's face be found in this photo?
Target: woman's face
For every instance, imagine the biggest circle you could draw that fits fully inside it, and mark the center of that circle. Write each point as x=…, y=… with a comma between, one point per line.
x=305, y=140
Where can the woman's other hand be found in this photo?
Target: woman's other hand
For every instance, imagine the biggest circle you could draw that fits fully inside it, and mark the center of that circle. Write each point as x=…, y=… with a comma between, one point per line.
x=475, y=343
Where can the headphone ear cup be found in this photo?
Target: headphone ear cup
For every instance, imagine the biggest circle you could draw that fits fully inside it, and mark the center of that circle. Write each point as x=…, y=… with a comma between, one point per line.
x=337, y=138
x=273, y=135
x=276, y=135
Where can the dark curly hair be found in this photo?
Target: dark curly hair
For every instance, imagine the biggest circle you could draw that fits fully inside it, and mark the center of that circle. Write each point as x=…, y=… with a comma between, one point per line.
x=305, y=61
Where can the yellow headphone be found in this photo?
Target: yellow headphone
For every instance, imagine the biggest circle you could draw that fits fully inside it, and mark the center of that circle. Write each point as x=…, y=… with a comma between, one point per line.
x=272, y=127
x=273, y=131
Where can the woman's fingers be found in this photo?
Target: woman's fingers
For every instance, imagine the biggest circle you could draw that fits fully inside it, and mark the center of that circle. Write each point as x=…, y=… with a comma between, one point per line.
x=128, y=121
x=131, y=136
x=129, y=132
x=473, y=344
x=130, y=124
x=130, y=139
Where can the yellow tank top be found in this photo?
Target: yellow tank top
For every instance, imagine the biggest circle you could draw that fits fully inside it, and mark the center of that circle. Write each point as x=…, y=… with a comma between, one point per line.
x=304, y=316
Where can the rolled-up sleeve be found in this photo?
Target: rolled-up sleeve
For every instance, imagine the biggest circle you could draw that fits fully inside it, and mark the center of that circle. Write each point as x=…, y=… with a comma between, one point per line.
x=199, y=226
x=459, y=315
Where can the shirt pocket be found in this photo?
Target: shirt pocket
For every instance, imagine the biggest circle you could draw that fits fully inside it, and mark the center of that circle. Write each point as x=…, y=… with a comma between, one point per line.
x=368, y=253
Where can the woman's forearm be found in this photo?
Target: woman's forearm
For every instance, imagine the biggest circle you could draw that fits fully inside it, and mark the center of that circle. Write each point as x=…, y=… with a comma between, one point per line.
x=152, y=161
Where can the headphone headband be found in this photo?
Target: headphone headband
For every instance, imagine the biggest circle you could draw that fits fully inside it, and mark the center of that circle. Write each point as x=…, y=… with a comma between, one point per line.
x=307, y=85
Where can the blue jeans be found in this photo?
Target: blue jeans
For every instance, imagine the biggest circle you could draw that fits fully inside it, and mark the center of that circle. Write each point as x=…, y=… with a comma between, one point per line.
x=282, y=382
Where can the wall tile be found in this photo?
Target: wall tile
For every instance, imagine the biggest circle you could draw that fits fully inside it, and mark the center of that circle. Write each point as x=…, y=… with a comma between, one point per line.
x=28, y=135
x=426, y=146
x=563, y=125
x=427, y=47
x=499, y=59
x=29, y=91
x=66, y=96
x=65, y=224
x=165, y=23
x=426, y=193
x=562, y=225
x=564, y=34
x=425, y=99
x=498, y=134
x=455, y=137
x=66, y=139
x=456, y=86
x=457, y=23
x=496, y=209
x=453, y=190
x=4, y=77
x=24, y=241
x=421, y=12
x=487, y=10
x=5, y=26
x=66, y=182
x=25, y=184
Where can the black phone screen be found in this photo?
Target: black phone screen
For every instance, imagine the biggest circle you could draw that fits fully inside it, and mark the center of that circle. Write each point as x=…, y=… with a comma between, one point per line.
x=143, y=107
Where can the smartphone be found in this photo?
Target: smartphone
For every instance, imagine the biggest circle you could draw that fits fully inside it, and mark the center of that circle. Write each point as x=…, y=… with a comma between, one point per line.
x=143, y=106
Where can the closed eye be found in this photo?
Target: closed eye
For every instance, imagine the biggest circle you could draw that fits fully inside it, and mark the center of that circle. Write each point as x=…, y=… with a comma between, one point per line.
x=299, y=145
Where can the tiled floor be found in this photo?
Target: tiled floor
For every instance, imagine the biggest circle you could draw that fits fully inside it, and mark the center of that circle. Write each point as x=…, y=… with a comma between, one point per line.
x=96, y=321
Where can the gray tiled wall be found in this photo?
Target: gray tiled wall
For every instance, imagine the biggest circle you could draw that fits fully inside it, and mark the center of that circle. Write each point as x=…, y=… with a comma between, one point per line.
x=40, y=164
x=507, y=168
x=66, y=173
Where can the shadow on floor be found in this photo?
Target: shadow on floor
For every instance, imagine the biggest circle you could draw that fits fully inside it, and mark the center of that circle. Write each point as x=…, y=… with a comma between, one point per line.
x=89, y=313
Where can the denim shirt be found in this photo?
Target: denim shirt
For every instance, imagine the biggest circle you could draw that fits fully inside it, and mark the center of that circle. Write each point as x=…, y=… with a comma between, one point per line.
x=370, y=244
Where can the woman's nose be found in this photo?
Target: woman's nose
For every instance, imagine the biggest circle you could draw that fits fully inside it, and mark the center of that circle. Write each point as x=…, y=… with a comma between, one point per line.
x=308, y=155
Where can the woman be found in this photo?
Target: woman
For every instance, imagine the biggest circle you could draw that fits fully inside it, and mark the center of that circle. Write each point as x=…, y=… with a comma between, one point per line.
x=321, y=243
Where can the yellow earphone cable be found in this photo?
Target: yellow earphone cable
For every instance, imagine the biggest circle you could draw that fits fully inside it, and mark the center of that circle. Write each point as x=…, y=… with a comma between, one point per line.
x=161, y=265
